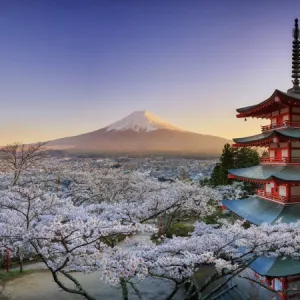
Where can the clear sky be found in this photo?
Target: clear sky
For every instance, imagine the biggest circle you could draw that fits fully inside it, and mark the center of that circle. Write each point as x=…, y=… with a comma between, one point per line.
x=69, y=67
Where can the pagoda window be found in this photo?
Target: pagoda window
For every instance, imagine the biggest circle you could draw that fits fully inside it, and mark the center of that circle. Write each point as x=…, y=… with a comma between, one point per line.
x=295, y=144
x=272, y=154
x=296, y=118
x=277, y=284
x=295, y=190
x=285, y=153
x=295, y=153
x=296, y=109
x=284, y=110
x=275, y=113
x=282, y=190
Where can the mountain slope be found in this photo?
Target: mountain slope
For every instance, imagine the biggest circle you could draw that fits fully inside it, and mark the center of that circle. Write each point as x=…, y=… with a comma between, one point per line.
x=141, y=133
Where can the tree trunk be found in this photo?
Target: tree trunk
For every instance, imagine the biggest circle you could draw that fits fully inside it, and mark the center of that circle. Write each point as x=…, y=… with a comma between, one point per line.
x=21, y=264
x=124, y=288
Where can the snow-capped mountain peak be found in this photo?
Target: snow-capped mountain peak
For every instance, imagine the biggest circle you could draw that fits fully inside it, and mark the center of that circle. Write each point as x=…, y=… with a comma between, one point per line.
x=141, y=121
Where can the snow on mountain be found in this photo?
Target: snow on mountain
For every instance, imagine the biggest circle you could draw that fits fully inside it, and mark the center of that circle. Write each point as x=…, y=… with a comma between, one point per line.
x=141, y=121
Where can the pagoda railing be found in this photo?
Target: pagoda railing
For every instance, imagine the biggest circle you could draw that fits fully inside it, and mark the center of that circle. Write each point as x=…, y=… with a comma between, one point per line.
x=282, y=160
x=271, y=196
x=284, y=124
x=277, y=197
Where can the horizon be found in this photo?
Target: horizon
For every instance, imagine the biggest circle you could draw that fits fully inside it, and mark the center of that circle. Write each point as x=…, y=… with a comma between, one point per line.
x=72, y=67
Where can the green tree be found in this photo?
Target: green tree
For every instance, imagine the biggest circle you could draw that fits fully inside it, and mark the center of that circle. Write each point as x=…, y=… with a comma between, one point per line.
x=233, y=158
x=227, y=161
x=246, y=157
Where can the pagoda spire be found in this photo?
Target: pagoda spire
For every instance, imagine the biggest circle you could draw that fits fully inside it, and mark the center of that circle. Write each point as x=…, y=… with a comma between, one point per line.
x=296, y=58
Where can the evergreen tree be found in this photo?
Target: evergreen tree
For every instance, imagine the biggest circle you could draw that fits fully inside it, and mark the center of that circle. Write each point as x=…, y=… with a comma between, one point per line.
x=246, y=157
x=220, y=172
x=233, y=158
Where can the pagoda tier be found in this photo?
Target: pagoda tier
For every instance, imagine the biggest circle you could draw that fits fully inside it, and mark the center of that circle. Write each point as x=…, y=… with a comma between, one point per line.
x=271, y=137
x=279, y=184
x=277, y=102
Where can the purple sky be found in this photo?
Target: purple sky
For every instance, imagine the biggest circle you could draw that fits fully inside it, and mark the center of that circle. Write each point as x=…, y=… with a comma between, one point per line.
x=69, y=67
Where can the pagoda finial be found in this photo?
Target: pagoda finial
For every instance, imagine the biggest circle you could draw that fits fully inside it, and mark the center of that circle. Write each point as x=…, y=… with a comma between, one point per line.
x=296, y=58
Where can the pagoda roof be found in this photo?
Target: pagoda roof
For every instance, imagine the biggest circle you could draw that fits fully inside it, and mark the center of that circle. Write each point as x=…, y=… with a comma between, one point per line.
x=291, y=133
x=258, y=211
x=276, y=101
x=265, y=172
x=276, y=266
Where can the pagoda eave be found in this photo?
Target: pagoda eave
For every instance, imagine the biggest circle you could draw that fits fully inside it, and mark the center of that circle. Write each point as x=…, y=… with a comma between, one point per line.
x=266, y=142
x=263, y=143
x=269, y=211
x=259, y=181
x=267, y=173
x=264, y=109
x=286, y=134
x=275, y=267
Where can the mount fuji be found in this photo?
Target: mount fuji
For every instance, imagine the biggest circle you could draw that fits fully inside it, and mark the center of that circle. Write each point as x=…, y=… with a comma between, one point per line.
x=141, y=133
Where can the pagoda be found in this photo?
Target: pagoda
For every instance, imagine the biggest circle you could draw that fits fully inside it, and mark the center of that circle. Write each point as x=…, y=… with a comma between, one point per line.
x=277, y=176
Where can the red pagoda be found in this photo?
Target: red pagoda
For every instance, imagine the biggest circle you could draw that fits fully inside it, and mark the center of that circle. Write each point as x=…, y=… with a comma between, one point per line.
x=278, y=176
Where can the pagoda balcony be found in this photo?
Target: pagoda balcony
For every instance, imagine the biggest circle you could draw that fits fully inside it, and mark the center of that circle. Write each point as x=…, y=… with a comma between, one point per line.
x=276, y=197
x=284, y=124
x=279, y=161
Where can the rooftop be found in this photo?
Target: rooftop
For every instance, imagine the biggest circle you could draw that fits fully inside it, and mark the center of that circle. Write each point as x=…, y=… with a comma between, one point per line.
x=276, y=101
x=291, y=133
x=276, y=266
x=258, y=211
x=267, y=172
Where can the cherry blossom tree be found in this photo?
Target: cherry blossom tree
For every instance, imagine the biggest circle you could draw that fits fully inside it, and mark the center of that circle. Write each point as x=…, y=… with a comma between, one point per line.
x=229, y=249
x=72, y=224
x=70, y=235
x=18, y=157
